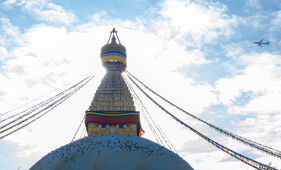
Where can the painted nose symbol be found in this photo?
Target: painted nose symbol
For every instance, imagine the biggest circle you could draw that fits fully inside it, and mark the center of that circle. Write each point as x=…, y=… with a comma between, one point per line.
x=111, y=130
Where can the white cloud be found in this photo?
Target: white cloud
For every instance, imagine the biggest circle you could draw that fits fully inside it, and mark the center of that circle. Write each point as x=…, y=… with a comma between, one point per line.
x=97, y=16
x=56, y=14
x=262, y=128
x=34, y=5
x=260, y=76
x=44, y=10
x=8, y=4
x=234, y=50
x=269, y=21
x=265, y=104
x=3, y=53
x=198, y=21
x=50, y=56
x=26, y=4
x=257, y=21
x=254, y=4
x=9, y=32
x=276, y=21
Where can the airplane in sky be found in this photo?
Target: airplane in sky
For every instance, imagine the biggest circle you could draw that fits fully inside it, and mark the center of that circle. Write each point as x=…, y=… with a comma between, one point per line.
x=260, y=43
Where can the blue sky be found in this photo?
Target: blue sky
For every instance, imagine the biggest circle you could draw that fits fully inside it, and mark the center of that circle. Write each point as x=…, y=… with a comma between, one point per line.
x=197, y=53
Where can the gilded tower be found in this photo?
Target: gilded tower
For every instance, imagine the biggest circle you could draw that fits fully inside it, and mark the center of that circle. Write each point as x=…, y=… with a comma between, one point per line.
x=112, y=109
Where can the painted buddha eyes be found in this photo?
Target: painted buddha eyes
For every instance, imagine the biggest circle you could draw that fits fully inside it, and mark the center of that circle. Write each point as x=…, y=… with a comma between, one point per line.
x=121, y=126
x=103, y=126
x=107, y=126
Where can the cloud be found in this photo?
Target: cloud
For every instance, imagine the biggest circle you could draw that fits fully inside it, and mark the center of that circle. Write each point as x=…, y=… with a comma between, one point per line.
x=56, y=14
x=26, y=4
x=256, y=87
x=276, y=21
x=9, y=32
x=97, y=16
x=3, y=53
x=264, y=104
x=261, y=76
x=44, y=10
x=234, y=50
x=261, y=20
x=34, y=5
x=50, y=55
x=262, y=129
x=8, y=4
x=254, y=4
x=195, y=22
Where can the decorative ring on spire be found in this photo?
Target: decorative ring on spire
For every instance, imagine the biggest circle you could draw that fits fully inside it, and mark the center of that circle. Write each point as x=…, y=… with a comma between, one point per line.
x=113, y=52
x=114, y=56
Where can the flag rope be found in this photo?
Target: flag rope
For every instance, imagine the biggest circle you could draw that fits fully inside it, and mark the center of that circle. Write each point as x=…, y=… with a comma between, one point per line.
x=242, y=158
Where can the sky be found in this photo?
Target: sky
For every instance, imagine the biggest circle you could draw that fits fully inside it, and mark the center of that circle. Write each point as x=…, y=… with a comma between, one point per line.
x=197, y=53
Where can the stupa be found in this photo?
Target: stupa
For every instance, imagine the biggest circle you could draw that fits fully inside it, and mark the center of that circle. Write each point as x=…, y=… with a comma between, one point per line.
x=114, y=130
x=112, y=110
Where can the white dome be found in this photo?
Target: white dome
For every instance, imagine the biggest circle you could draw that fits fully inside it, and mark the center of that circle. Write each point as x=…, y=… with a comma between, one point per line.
x=112, y=152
